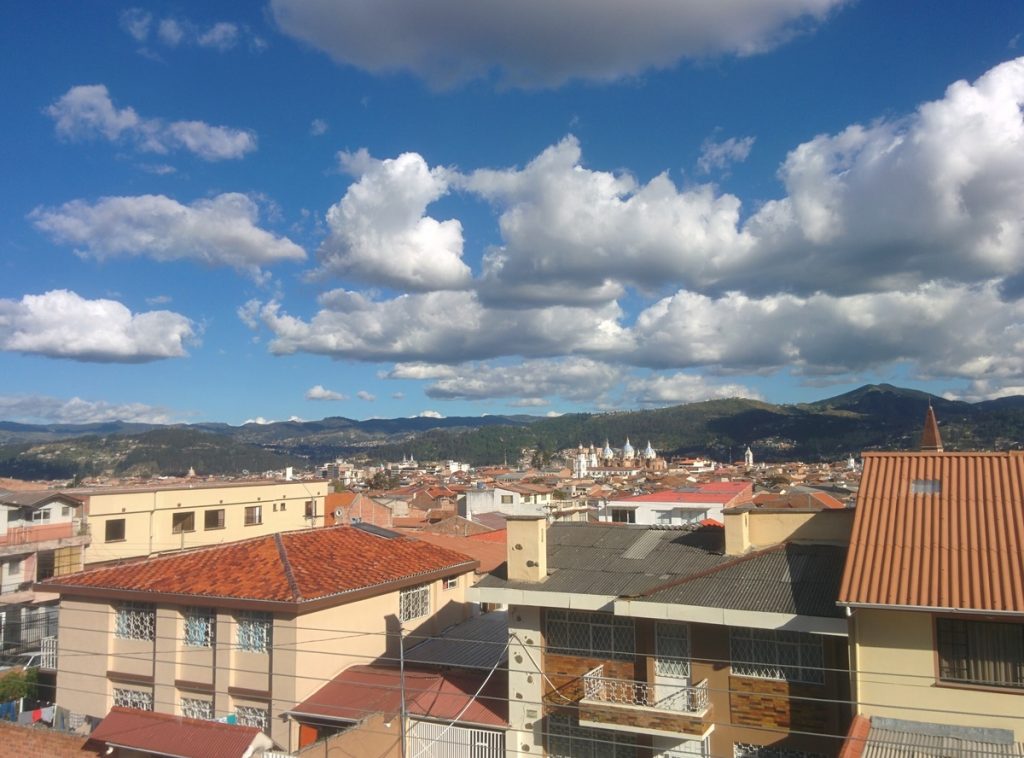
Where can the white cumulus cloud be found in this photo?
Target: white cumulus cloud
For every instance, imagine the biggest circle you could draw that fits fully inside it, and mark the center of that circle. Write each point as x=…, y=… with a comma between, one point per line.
x=429, y=414
x=319, y=392
x=580, y=379
x=719, y=155
x=379, y=232
x=539, y=43
x=62, y=324
x=364, y=395
x=44, y=409
x=221, y=231
x=665, y=389
x=87, y=112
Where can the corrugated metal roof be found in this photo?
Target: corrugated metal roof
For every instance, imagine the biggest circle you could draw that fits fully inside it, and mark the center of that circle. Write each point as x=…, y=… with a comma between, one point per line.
x=478, y=642
x=939, y=530
x=798, y=579
x=894, y=738
x=170, y=735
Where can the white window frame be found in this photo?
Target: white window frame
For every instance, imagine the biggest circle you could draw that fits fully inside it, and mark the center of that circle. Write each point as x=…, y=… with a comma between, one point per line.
x=750, y=750
x=450, y=582
x=253, y=715
x=255, y=509
x=414, y=602
x=589, y=634
x=763, y=653
x=135, y=621
x=254, y=631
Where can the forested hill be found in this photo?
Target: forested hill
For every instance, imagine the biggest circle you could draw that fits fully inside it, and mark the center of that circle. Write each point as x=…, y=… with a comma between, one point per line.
x=871, y=417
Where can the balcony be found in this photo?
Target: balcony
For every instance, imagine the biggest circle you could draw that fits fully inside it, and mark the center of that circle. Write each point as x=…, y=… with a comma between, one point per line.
x=646, y=708
x=25, y=539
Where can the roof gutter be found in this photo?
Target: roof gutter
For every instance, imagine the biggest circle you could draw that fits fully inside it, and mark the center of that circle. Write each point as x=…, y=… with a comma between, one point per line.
x=927, y=609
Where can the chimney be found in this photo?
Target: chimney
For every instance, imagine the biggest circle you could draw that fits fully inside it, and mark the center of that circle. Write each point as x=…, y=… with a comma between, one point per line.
x=526, y=550
x=931, y=441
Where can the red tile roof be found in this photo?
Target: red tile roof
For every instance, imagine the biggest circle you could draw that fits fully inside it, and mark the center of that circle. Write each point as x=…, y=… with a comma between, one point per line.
x=938, y=530
x=169, y=735
x=490, y=554
x=291, y=567
x=362, y=690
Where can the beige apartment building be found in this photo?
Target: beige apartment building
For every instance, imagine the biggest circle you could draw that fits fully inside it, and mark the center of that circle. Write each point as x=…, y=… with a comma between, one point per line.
x=129, y=522
x=252, y=628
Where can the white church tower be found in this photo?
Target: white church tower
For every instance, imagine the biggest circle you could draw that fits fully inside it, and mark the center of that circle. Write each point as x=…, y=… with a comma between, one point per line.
x=748, y=458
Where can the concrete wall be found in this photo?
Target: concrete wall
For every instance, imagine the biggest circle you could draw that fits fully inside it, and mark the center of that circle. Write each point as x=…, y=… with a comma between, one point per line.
x=148, y=516
x=896, y=664
x=753, y=528
x=525, y=683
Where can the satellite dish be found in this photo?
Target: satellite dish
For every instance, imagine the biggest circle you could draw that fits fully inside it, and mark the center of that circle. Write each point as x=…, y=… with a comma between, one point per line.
x=245, y=472
x=339, y=513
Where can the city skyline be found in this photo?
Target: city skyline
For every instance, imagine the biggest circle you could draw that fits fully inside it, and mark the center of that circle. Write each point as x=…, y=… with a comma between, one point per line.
x=237, y=213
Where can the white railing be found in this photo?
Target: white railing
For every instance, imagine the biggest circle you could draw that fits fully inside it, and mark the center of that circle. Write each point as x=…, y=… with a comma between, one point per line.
x=599, y=688
x=48, y=658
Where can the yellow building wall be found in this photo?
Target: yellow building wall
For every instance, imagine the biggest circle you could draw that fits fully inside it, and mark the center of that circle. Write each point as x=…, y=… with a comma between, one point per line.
x=895, y=663
x=148, y=515
x=85, y=632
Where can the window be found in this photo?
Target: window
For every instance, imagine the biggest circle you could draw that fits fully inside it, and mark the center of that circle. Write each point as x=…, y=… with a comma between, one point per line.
x=183, y=522
x=283, y=506
x=197, y=708
x=310, y=509
x=135, y=621
x=253, y=515
x=213, y=519
x=253, y=715
x=14, y=568
x=771, y=654
x=42, y=515
x=254, y=631
x=566, y=739
x=623, y=515
x=65, y=511
x=748, y=750
x=114, y=530
x=506, y=500
x=588, y=634
x=199, y=625
x=414, y=602
x=140, y=700
x=925, y=487
x=451, y=582
x=988, y=653
x=672, y=643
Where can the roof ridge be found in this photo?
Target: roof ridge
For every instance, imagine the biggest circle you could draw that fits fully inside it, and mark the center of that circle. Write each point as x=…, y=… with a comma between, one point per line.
x=709, y=571
x=286, y=564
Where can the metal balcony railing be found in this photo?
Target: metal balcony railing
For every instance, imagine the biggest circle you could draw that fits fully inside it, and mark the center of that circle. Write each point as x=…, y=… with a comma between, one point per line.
x=601, y=689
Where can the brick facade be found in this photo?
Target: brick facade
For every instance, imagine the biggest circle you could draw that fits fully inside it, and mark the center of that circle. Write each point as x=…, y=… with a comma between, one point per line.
x=22, y=741
x=774, y=703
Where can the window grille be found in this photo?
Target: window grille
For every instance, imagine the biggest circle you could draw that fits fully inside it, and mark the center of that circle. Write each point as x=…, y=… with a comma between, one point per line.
x=771, y=654
x=135, y=621
x=199, y=624
x=989, y=653
x=254, y=631
x=749, y=750
x=197, y=708
x=140, y=700
x=253, y=715
x=589, y=634
x=673, y=650
x=566, y=739
x=414, y=602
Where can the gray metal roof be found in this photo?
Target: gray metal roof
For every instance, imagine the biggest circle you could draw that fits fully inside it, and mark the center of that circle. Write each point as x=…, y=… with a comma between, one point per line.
x=476, y=643
x=687, y=568
x=31, y=498
x=896, y=738
x=797, y=579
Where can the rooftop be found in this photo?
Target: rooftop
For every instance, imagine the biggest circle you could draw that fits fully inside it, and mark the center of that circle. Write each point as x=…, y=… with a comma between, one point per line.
x=176, y=736
x=939, y=530
x=339, y=564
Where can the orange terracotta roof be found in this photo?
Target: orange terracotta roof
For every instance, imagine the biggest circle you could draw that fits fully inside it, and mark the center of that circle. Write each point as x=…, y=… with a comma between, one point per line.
x=497, y=535
x=938, y=530
x=164, y=734
x=291, y=567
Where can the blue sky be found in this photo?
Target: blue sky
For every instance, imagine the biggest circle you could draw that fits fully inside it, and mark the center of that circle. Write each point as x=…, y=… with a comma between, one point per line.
x=304, y=208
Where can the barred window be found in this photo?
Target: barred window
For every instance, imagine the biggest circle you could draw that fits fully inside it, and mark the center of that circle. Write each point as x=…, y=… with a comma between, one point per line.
x=749, y=750
x=772, y=654
x=253, y=715
x=673, y=650
x=588, y=634
x=566, y=739
x=197, y=708
x=254, y=631
x=414, y=602
x=140, y=700
x=135, y=621
x=199, y=625
x=989, y=653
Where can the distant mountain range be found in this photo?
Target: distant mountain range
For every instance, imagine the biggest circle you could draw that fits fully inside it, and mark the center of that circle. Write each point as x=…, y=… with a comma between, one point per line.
x=878, y=416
